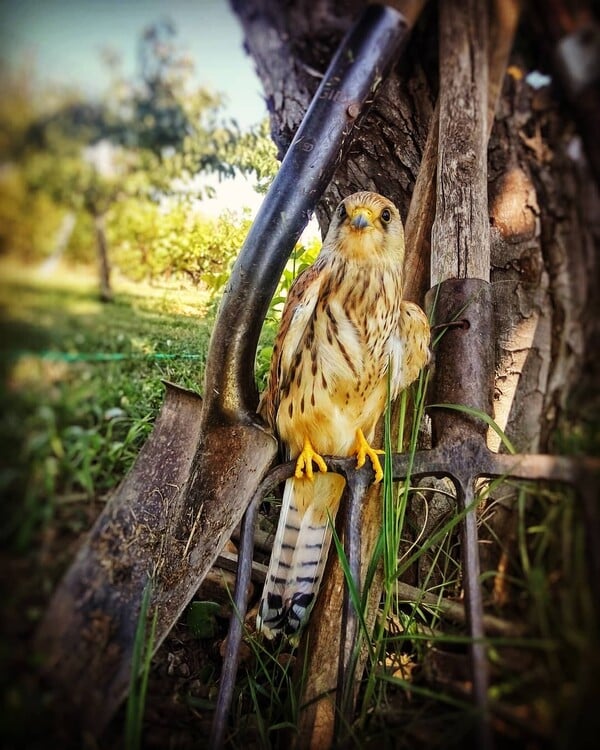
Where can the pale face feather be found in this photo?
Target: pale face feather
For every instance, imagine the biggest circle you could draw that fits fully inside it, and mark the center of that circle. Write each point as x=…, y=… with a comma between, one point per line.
x=381, y=240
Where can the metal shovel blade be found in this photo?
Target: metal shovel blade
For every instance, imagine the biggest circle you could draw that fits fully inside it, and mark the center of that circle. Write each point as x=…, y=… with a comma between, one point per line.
x=89, y=627
x=147, y=532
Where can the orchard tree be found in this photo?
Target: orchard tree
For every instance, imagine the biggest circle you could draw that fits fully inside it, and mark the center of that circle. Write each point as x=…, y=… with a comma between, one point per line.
x=147, y=141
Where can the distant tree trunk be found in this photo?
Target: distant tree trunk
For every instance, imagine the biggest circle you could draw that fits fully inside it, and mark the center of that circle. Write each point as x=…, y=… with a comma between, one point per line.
x=543, y=205
x=106, y=294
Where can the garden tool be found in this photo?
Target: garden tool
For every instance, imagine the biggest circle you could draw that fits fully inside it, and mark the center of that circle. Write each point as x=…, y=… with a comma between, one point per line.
x=460, y=302
x=167, y=522
x=461, y=306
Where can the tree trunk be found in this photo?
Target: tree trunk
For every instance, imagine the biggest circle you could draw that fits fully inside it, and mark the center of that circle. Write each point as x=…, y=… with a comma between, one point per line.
x=543, y=209
x=106, y=294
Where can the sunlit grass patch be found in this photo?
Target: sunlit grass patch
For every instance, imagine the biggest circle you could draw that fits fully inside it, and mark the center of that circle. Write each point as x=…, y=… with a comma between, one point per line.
x=81, y=385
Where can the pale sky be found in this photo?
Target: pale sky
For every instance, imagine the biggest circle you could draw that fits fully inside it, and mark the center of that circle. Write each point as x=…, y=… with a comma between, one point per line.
x=64, y=37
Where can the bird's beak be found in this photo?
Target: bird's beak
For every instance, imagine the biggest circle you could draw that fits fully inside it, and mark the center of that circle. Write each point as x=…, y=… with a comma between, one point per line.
x=361, y=218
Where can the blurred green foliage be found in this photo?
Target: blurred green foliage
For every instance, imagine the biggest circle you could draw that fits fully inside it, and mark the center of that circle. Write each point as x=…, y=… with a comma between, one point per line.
x=125, y=173
x=127, y=169
x=71, y=424
x=149, y=242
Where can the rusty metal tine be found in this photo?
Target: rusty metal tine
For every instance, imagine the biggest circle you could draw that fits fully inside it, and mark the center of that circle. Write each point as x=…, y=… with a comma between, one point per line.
x=464, y=375
x=357, y=483
x=240, y=602
x=474, y=608
x=230, y=666
x=236, y=625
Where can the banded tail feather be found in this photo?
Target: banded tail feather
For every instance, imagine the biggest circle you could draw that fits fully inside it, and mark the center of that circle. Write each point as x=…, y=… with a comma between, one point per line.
x=299, y=553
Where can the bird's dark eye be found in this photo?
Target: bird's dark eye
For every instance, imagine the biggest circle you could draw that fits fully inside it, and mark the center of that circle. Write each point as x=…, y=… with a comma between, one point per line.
x=386, y=215
x=341, y=212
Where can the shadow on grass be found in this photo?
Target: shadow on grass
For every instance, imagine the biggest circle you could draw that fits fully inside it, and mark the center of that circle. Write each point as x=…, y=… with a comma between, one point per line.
x=59, y=372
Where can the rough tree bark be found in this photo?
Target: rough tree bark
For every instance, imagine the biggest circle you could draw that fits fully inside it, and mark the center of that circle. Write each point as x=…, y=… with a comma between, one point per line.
x=543, y=204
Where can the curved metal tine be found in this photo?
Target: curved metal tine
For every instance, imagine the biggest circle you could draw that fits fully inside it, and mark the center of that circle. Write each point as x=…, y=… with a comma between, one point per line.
x=474, y=609
x=236, y=625
x=357, y=483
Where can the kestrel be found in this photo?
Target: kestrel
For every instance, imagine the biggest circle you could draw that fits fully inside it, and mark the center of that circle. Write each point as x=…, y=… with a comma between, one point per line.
x=343, y=327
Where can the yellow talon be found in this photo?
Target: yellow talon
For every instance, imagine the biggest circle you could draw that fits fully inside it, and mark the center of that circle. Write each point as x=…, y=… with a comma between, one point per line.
x=363, y=449
x=304, y=461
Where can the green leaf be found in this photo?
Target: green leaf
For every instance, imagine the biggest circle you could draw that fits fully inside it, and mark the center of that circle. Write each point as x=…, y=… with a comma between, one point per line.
x=479, y=415
x=201, y=619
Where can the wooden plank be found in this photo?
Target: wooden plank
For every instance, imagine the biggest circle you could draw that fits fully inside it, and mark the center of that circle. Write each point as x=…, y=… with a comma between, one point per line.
x=504, y=18
x=229, y=561
x=460, y=246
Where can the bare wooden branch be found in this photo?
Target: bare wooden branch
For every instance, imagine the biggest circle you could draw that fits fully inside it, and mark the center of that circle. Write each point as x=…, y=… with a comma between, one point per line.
x=320, y=649
x=421, y=214
x=229, y=561
x=455, y=611
x=504, y=18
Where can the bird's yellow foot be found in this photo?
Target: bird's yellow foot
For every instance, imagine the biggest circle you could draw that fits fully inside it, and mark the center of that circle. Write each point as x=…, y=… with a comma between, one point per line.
x=363, y=449
x=304, y=461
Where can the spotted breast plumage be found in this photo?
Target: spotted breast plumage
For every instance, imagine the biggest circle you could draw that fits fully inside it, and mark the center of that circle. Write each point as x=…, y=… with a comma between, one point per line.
x=343, y=327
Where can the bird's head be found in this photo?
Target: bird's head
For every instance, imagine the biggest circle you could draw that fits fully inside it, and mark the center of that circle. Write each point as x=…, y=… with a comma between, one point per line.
x=367, y=226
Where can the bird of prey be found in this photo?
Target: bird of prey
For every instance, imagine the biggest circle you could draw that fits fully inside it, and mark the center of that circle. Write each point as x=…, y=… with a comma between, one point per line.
x=344, y=327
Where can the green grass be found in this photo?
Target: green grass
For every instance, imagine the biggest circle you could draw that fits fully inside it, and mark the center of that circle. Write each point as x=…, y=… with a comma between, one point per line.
x=140, y=671
x=81, y=384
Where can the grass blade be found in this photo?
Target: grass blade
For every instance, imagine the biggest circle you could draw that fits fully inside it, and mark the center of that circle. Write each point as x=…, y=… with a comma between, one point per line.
x=143, y=648
x=479, y=415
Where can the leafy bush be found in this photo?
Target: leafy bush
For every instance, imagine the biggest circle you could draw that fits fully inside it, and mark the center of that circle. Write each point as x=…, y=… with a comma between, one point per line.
x=150, y=241
x=28, y=222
